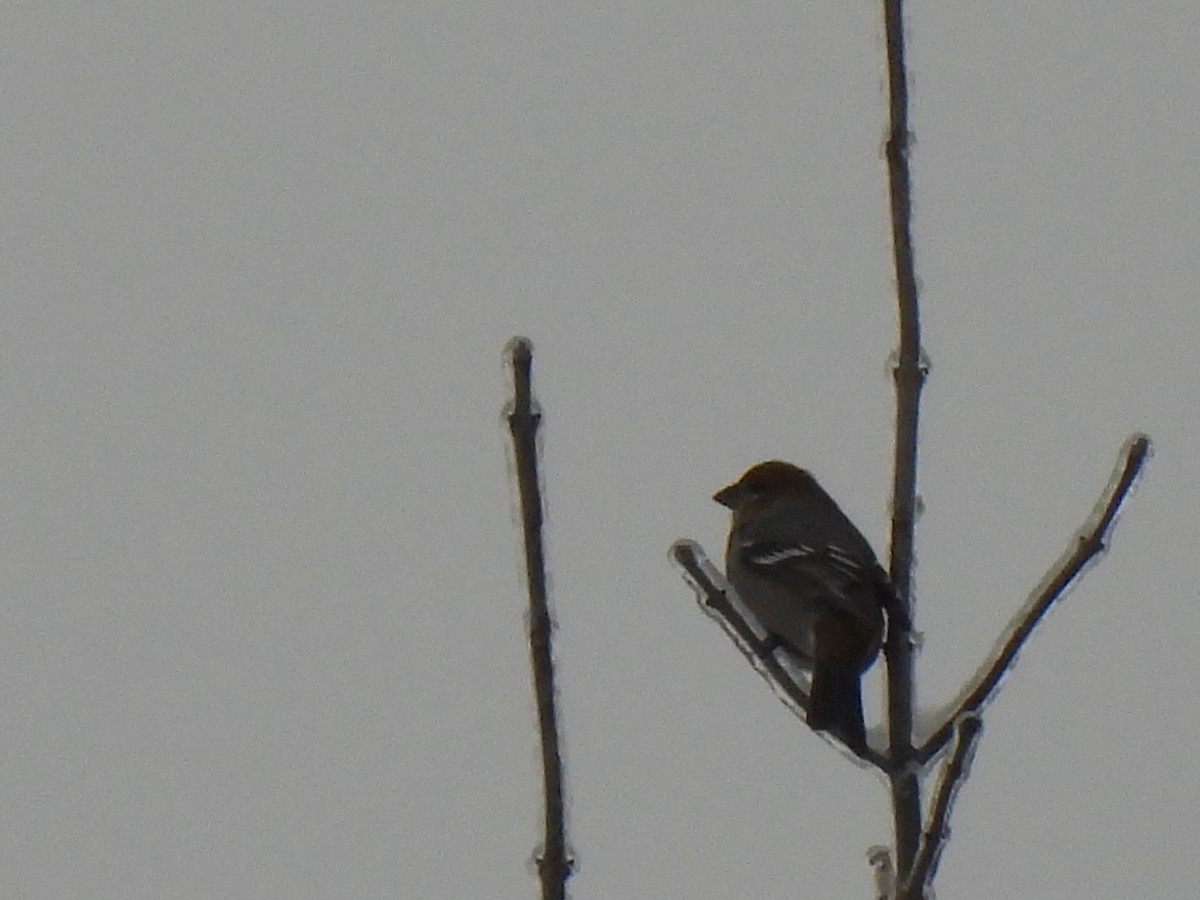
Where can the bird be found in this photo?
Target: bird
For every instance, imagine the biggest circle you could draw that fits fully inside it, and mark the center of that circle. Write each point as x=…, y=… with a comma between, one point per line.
x=813, y=582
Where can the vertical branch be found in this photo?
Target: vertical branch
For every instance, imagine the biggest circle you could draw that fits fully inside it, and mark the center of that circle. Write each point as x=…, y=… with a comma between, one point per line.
x=554, y=867
x=909, y=375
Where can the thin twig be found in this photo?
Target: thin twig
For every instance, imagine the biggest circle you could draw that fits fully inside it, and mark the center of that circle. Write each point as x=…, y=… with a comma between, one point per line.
x=1089, y=542
x=909, y=375
x=966, y=734
x=711, y=590
x=554, y=866
x=880, y=859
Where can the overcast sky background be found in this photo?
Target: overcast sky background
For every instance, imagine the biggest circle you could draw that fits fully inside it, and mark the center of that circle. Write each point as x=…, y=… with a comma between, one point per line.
x=263, y=630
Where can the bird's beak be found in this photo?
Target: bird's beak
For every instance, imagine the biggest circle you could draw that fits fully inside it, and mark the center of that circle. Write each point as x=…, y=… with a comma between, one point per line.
x=729, y=496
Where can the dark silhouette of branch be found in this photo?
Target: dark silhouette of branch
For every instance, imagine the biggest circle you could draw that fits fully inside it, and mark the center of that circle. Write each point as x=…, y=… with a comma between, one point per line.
x=1090, y=542
x=711, y=592
x=553, y=864
x=909, y=375
x=910, y=874
x=966, y=730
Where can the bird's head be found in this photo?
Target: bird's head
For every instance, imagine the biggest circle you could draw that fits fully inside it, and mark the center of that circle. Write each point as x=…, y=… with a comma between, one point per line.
x=767, y=479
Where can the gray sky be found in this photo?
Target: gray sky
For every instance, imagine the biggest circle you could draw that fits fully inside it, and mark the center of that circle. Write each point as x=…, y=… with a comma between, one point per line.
x=264, y=604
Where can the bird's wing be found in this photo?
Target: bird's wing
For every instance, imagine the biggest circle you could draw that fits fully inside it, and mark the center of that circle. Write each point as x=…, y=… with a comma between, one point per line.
x=830, y=568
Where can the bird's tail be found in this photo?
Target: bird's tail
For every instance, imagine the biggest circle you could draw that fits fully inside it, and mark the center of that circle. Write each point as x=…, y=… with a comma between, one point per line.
x=835, y=704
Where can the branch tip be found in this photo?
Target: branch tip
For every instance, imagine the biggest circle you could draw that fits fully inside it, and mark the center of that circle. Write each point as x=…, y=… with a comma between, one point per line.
x=519, y=350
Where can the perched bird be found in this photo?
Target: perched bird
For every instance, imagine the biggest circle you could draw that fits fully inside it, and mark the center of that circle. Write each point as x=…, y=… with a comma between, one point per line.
x=813, y=582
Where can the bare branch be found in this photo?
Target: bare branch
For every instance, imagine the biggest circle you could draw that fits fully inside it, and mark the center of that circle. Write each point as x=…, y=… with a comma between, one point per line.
x=909, y=376
x=1089, y=542
x=553, y=864
x=967, y=731
x=720, y=603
